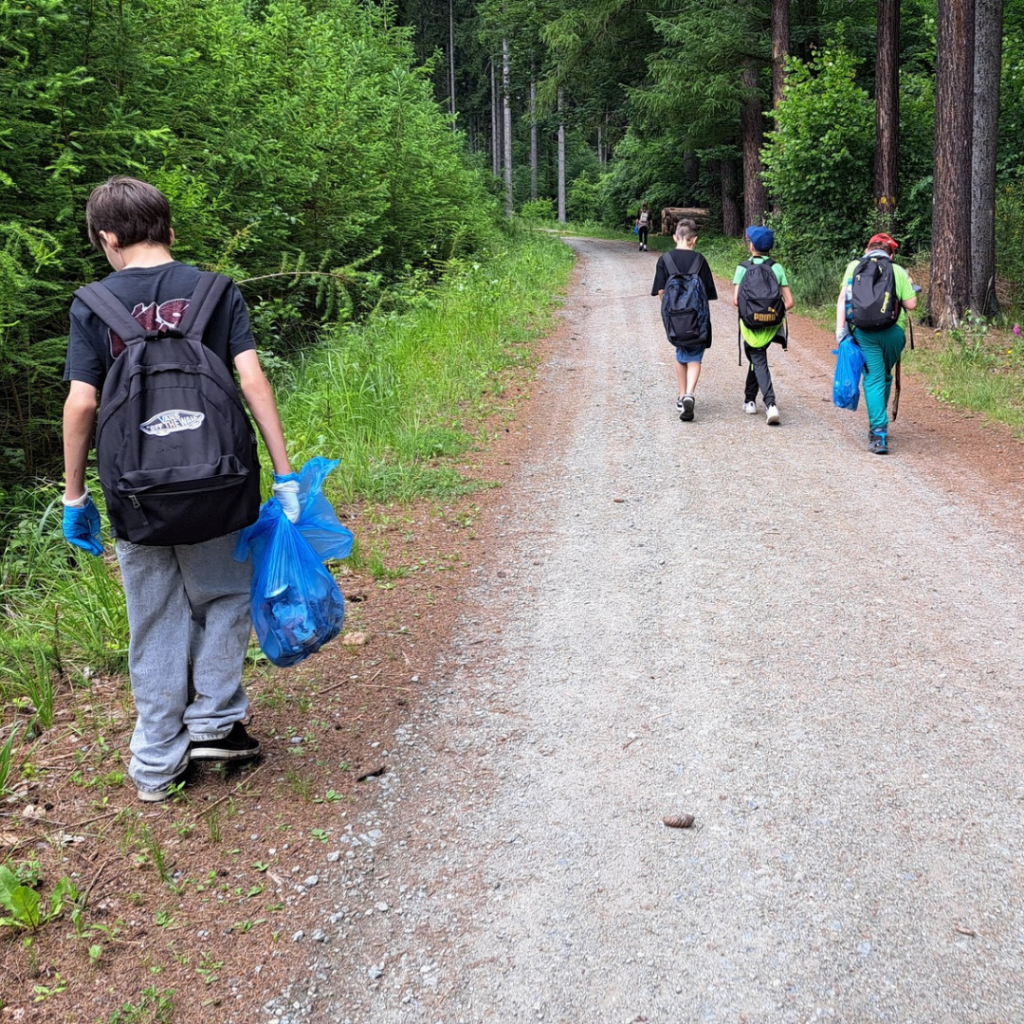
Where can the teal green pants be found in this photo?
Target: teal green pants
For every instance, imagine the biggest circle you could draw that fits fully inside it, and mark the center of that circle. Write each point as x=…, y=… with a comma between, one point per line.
x=882, y=350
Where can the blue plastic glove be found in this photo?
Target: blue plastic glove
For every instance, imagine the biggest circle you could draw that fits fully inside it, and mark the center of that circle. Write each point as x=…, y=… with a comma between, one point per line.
x=82, y=527
x=286, y=490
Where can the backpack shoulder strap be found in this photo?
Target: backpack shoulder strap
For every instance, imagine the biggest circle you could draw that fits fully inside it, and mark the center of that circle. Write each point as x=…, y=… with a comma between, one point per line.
x=208, y=293
x=109, y=308
x=673, y=267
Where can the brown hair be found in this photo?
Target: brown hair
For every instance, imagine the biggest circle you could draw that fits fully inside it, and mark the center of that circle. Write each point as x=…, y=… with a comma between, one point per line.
x=685, y=230
x=131, y=209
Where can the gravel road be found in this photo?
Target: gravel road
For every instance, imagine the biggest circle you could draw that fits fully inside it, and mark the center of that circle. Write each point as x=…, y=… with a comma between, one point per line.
x=815, y=651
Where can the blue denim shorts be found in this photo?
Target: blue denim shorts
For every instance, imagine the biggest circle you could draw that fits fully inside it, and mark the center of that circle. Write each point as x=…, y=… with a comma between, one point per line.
x=689, y=355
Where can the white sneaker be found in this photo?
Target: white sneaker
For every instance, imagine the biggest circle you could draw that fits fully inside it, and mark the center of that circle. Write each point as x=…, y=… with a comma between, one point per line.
x=772, y=416
x=750, y=408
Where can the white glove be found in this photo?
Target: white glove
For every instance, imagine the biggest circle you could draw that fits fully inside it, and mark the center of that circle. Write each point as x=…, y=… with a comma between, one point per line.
x=286, y=490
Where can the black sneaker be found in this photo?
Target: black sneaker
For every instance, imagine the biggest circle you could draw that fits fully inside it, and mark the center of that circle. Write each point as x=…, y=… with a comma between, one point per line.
x=237, y=745
x=879, y=443
x=687, y=413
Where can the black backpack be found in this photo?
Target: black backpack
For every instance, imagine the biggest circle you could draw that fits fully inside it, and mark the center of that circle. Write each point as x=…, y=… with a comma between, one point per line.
x=175, y=450
x=684, y=305
x=872, y=304
x=760, y=296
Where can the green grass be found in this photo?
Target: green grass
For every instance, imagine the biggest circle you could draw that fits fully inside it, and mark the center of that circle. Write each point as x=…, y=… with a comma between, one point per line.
x=397, y=399
x=978, y=367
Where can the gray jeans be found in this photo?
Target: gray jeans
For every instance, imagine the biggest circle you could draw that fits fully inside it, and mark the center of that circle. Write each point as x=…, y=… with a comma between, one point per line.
x=188, y=611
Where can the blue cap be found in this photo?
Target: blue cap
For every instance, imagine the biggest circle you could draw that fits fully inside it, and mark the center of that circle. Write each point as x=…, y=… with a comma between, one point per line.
x=762, y=239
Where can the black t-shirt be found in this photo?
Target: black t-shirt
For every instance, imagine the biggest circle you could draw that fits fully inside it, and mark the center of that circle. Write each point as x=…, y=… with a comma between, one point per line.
x=685, y=260
x=157, y=297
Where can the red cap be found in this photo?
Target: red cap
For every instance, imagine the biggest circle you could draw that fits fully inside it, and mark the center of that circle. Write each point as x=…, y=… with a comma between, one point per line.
x=882, y=239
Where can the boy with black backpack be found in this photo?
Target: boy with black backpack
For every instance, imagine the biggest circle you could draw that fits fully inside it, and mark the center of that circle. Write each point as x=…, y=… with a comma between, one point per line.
x=152, y=350
x=872, y=305
x=683, y=282
x=761, y=293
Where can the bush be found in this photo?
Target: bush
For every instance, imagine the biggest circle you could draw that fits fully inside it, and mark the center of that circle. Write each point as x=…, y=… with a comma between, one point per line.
x=538, y=210
x=818, y=160
x=583, y=199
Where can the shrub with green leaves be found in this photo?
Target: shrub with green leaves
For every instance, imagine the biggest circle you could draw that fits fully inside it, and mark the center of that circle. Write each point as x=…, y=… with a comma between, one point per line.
x=818, y=160
x=287, y=135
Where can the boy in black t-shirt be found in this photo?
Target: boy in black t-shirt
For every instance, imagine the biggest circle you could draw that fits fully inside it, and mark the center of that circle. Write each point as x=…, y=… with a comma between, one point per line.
x=188, y=605
x=687, y=360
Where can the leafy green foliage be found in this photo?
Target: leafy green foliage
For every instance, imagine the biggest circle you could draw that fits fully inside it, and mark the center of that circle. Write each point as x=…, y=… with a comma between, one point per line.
x=818, y=159
x=25, y=907
x=287, y=135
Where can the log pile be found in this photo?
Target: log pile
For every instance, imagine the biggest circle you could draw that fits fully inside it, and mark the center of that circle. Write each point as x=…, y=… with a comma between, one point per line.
x=672, y=215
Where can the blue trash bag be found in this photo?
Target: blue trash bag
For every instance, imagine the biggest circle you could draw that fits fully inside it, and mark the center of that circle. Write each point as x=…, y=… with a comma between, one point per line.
x=295, y=604
x=849, y=367
x=636, y=229
x=318, y=521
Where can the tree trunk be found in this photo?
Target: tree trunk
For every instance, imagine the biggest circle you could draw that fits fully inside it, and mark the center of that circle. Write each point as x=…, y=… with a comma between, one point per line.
x=780, y=47
x=988, y=53
x=506, y=124
x=533, y=138
x=691, y=169
x=732, y=225
x=561, y=160
x=451, y=59
x=755, y=201
x=887, y=112
x=949, y=294
x=495, y=127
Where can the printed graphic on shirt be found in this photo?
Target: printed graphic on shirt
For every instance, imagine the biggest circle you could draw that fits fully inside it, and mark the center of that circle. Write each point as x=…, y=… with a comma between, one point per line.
x=152, y=316
x=171, y=422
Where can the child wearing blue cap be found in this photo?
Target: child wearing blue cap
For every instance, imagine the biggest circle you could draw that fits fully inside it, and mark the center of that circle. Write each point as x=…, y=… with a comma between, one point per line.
x=763, y=299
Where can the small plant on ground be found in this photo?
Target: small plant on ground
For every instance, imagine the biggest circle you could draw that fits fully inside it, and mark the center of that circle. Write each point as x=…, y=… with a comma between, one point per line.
x=25, y=906
x=152, y=1008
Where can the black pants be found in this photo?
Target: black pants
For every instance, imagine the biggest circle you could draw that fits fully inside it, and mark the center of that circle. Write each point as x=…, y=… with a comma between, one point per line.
x=643, y=234
x=758, y=375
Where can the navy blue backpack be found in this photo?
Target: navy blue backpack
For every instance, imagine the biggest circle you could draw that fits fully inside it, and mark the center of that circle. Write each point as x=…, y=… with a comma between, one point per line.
x=684, y=305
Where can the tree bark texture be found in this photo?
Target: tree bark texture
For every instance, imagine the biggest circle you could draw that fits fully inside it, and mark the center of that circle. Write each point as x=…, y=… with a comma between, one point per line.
x=506, y=124
x=887, y=112
x=732, y=224
x=495, y=126
x=755, y=200
x=533, y=138
x=780, y=47
x=949, y=294
x=451, y=59
x=988, y=55
x=561, y=159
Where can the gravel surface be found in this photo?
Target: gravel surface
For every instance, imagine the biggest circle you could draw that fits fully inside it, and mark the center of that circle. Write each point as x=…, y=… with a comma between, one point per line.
x=813, y=650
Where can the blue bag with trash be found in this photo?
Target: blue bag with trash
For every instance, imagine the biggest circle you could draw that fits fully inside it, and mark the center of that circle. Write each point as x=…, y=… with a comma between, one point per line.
x=296, y=605
x=849, y=367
